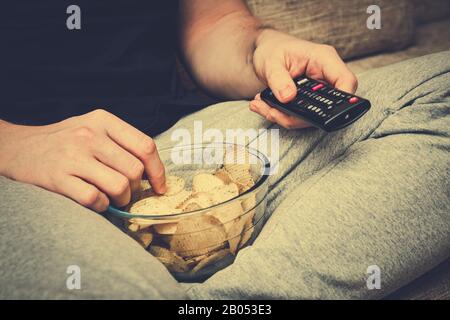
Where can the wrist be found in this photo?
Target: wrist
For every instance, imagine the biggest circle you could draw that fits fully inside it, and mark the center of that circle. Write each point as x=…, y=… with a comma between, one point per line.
x=264, y=31
x=9, y=143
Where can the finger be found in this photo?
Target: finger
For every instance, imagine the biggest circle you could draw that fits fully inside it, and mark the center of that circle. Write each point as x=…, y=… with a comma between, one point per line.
x=347, y=83
x=117, y=158
x=140, y=145
x=260, y=107
x=280, y=81
x=82, y=192
x=287, y=121
x=109, y=181
x=274, y=115
x=336, y=72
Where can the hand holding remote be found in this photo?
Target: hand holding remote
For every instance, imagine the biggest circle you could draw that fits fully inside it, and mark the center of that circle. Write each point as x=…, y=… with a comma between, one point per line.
x=280, y=58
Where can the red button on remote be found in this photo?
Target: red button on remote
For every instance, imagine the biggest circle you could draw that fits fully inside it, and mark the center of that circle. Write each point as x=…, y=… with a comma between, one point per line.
x=353, y=100
x=318, y=87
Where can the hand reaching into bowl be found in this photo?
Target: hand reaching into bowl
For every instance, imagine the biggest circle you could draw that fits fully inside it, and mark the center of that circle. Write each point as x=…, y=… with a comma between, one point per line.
x=92, y=159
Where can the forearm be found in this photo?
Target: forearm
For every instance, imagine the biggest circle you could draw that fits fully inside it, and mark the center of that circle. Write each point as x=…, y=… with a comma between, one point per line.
x=10, y=134
x=6, y=130
x=220, y=55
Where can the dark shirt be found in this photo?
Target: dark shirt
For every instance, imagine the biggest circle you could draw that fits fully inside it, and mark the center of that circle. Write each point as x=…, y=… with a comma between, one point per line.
x=122, y=60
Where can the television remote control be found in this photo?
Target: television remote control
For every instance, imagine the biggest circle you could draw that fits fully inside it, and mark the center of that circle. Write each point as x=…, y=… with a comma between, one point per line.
x=320, y=104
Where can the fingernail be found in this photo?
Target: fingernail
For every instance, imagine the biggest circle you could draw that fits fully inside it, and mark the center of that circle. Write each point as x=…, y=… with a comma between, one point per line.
x=163, y=188
x=101, y=203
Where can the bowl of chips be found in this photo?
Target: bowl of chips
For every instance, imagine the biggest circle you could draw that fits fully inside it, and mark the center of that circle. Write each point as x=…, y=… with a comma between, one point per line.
x=214, y=206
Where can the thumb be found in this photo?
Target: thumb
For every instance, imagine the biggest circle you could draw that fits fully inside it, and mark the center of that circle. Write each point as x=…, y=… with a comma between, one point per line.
x=280, y=82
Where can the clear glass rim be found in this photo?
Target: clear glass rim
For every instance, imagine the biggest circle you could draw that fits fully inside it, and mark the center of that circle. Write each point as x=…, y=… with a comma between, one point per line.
x=171, y=216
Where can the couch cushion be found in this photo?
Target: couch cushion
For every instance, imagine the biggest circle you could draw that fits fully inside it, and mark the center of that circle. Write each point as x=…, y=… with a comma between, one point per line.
x=431, y=10
x=342, y=24
x=430, y=38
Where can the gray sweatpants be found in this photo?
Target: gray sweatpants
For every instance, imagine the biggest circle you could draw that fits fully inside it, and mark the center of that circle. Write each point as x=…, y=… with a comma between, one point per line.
x=374, y=194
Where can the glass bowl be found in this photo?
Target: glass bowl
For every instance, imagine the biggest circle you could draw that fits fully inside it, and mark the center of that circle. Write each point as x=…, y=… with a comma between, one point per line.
x=194, y=244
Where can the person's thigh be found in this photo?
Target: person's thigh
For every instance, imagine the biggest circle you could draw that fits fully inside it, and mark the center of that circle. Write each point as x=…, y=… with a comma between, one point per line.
x=42, y=234
x=375, y=194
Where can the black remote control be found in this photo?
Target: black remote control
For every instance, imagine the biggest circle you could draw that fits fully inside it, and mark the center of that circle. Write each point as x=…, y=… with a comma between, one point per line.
x=320, y=104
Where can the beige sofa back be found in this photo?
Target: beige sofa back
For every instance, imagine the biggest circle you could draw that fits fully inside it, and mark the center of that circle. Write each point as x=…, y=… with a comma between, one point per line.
x=431, y=10
x=341, y=23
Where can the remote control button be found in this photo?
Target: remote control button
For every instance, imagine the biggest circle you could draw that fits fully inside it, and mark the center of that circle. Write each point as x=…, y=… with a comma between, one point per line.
x=353, y=100
x=302, y=81
x=318, y=87
x=310, y=107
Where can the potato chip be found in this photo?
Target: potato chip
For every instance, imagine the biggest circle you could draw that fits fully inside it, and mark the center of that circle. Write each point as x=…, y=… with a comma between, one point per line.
x=174, y=185
x=204, y=182
x=234, y=234
x=191, y=207
x=175, y=200
x=134, y=227
x=150, y=206
x=192, y=261
x=137, y=224
x=237, y=155
x=165, y=229
x=200, y=240
x=241, y=176
x=237, y=163
x=248, y=231
x=223, y=175
x=172, y=261
x=227, y=214
x=249, y=203
x=198, y=235
x=199, y=200
x=224, y=193
x=139, y=195
x=143, y=237
x=245, y=237
x=210, y=259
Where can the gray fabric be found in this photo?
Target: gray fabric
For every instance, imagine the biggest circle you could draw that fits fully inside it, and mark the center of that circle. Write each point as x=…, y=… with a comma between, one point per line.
x=42, y=234
x=376, y=193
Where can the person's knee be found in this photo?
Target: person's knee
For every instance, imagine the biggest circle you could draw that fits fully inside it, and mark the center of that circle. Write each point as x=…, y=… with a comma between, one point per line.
x=48, y=241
